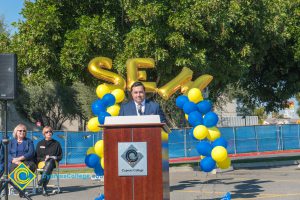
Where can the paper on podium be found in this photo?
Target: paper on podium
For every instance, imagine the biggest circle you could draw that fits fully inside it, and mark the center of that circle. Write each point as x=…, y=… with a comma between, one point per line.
x=142, y=119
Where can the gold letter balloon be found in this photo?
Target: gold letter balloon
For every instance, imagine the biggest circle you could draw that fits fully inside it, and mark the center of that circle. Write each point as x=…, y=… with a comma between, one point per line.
x=95, y=68
x=182, y=81
x=99, y=67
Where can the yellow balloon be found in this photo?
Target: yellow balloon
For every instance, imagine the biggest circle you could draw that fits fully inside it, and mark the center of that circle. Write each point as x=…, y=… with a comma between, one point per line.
x=224, y=164
x=219, y=154
x=90, y=151
x=213, y=133
x=164, y=136
x=102, y=90
x=113, y=110
x=119, y=95
x=99, y=148
x=186, y=116
x=175, y=84
x=200, y=132
x=93, y=124
x=41, y=165
x=195, y=95
x=102, y=162
x=133, y=65
x=95, y=68
x=165, y=156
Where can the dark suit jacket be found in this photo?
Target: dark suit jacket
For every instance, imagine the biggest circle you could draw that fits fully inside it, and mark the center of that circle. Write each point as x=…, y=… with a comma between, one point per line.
x=151, y=108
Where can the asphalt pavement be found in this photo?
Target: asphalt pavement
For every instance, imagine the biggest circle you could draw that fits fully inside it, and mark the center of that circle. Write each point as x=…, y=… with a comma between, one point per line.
x=269, y=182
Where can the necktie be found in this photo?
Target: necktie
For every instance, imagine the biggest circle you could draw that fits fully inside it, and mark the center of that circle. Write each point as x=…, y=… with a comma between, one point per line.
x=139, y=108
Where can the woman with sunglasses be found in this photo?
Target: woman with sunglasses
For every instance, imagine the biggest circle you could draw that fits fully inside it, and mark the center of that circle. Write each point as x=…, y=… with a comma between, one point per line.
x=21, y=149
x=48, y=153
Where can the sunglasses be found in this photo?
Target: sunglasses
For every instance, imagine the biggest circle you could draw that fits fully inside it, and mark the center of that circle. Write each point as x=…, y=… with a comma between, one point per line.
x=24, y=131
x=48, y=132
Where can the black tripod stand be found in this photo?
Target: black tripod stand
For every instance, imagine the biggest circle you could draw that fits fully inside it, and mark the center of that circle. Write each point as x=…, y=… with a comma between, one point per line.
x=5, y=181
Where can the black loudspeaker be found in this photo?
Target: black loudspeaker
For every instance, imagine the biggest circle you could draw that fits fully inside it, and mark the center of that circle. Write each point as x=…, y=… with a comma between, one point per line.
x=8, y=76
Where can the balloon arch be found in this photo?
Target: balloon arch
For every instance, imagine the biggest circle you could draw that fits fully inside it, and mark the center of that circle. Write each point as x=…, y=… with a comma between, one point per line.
x=198, y=111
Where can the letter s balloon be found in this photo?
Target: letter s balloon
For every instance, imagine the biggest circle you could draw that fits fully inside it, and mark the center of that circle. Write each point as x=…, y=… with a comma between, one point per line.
x=95, y=68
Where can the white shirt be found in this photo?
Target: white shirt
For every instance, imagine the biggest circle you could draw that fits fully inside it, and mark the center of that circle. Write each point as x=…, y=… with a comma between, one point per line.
x=143, y=107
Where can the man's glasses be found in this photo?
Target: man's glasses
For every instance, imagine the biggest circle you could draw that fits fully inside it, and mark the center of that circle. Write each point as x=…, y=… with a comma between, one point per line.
x=24, y=131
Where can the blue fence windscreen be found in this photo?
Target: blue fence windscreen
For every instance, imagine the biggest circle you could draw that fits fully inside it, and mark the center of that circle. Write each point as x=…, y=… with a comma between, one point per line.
x=182, y=142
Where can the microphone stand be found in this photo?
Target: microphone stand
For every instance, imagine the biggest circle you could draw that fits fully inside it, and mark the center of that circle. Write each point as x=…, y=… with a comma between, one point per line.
x=5, y=181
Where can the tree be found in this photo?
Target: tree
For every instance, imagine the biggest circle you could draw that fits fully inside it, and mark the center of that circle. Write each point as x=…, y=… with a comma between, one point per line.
x=52, y=104
x=260, y=112
x=298, y=99
x=2, y=25
x=4, y=39
x=252, y=45
x=84, y=97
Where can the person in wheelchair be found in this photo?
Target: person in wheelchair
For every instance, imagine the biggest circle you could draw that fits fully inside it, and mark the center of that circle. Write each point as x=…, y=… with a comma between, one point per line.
x=48, y=155
x=21, y=149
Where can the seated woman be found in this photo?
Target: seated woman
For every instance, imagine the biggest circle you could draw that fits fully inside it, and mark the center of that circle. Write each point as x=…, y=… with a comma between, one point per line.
x=48, y=151
x=21, y=149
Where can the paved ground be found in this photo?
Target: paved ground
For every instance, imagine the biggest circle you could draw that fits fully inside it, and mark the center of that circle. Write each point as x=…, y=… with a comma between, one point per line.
x=269, y=183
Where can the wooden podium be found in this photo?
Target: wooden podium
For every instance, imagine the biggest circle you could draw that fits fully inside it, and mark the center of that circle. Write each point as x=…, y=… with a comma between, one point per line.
x=136, y=161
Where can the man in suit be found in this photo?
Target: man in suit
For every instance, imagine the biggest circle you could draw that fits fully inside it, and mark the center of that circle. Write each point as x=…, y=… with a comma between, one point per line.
x=140, y=105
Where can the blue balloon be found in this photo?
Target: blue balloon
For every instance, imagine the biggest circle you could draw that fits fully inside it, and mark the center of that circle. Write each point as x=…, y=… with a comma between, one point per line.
x=210, y=119
x=189, y=107
x=207, y=164
x=195, y=118
x=101, y=117
x=98, y=106
x=220, y=142
x=99, y=170
x=204, y=148
x=109, y=99
x=204, y=106
x=101, y=197
x=165, y=145
x=181, y=100
x=91, y=160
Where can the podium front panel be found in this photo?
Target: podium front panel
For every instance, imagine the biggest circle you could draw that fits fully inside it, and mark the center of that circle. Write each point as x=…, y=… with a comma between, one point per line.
x=150, y=186
x=115, y=186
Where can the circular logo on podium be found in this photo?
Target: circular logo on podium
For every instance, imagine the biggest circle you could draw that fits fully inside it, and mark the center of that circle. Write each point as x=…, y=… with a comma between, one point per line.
x=132, y=156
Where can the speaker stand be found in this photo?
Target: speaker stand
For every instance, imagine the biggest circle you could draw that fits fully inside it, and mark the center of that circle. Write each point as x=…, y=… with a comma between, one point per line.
x=5, y=181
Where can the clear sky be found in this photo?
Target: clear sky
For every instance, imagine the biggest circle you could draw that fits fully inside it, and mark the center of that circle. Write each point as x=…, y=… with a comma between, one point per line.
x=11, y=9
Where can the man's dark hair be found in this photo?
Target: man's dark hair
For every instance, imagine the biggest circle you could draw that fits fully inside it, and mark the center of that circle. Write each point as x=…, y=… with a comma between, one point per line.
x=136, y=84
